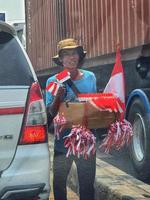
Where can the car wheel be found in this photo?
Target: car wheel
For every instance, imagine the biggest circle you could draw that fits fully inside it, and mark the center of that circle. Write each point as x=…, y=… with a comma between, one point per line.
x=139, y=148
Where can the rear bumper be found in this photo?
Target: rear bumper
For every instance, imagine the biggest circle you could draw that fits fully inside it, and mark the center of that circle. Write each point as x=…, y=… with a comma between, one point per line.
x=22, y=192
x=29, y=168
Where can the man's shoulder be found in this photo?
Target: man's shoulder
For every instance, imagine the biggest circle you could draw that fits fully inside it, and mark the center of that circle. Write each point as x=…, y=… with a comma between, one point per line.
x=88, y=73
x=51, y=78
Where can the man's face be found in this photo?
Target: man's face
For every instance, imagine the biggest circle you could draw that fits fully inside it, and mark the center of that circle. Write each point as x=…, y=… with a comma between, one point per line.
x=69, y=58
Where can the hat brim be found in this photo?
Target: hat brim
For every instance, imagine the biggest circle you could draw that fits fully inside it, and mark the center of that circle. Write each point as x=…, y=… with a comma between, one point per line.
x=82, y=54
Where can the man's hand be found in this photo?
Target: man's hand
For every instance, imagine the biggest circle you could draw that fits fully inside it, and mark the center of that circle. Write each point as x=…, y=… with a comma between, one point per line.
x=53, y=108
x=60, y=93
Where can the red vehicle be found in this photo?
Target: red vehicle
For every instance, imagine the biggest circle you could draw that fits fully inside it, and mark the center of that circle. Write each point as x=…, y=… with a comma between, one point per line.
x=99, y=25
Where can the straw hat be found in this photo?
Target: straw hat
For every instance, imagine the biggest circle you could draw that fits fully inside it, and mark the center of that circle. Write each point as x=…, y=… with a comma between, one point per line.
x=68, y=43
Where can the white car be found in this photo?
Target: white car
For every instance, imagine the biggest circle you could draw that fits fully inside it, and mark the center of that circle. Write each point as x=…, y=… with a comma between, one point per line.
x=24, y=153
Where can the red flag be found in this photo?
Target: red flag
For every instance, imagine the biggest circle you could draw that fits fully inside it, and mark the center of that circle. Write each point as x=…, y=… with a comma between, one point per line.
x=116, y=84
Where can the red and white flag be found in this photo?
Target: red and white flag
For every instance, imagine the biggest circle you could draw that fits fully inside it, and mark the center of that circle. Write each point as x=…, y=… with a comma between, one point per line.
x=119, y=132
x=63, y=76
x=116, y=84
x=53, y=87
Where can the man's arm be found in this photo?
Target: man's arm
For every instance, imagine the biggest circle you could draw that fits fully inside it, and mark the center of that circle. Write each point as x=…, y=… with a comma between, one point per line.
x=53, y=107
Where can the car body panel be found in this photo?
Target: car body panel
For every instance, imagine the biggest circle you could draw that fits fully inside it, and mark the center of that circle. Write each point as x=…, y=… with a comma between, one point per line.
x=31, y=165
x=10, y=123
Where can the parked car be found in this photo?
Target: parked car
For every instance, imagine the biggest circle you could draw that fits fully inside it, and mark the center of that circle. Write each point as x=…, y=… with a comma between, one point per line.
x=24, y=154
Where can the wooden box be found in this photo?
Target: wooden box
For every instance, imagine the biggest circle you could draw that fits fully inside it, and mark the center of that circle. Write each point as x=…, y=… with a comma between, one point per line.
x=85, y=113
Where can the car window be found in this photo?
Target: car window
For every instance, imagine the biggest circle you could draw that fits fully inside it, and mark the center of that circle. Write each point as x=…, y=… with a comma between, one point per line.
x=14, y=68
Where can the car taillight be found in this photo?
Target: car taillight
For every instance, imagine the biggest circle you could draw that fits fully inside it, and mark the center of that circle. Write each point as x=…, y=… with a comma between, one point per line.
x=34, y=127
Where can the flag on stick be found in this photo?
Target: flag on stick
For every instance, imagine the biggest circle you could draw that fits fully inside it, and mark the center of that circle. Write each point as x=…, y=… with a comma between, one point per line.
x=120, y=132
x=116, y=84
x=53, y=87
x=63, y=76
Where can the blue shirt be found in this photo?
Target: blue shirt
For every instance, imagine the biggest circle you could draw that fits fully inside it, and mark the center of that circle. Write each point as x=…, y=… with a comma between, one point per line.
x=85, y=85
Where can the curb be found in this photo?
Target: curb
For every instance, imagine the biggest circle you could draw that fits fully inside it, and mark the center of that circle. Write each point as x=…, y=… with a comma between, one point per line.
x=113, y=184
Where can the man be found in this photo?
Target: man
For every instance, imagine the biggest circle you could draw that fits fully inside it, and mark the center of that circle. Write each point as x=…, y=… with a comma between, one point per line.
x=70, y=56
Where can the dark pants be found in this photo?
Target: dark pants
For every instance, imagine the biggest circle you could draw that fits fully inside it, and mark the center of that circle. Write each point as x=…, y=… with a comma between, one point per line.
x=86, y=175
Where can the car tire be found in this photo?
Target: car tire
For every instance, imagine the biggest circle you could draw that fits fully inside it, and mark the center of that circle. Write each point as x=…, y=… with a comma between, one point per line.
x=139, y=148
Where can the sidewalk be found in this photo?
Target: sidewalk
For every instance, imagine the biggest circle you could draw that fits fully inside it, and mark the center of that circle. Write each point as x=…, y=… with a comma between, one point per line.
x=71, y=195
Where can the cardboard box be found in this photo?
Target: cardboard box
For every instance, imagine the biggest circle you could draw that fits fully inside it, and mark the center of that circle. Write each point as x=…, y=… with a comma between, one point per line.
x=85, y=113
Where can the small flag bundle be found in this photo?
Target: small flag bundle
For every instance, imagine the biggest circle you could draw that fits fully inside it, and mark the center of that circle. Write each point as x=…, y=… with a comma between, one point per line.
x=80, y=142
x=119, y=135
